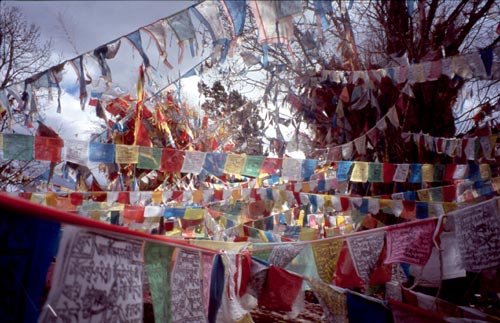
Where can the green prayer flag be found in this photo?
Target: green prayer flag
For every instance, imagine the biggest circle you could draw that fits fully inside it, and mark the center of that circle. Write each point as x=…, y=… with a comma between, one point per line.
x=253, y=165
x=17, y=147
x=149, y=157
x=157, y=262
x=375, y=173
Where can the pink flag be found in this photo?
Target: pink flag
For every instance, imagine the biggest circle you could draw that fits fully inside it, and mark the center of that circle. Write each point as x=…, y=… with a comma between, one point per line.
x=410, y=242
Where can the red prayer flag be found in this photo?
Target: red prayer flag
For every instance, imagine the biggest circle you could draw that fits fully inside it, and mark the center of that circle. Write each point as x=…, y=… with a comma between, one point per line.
x=345, y=275
x=133, y=213
x=172, y=160
x=47, y=148
x=449, y=171
x=388, y=172
x=449, y=193
x=271, y=165
x=281, y=290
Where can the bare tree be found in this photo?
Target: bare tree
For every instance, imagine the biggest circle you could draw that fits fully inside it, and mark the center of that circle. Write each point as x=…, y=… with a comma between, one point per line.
x=21, y=52
x=22, y=55
x=365, y=35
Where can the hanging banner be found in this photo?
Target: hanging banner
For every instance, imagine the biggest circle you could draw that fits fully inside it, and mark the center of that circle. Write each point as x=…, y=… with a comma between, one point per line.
x=97, y=278
x=477, y=229
x=187, y=288
x=157, y=263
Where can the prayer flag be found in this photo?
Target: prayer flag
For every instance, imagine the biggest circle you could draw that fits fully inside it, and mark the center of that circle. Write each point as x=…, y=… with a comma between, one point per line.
x=172, y=160
x=193, y=162
x=149, y=157
x=47, y=148
x=234, y=164
x=157, y=264
x=17, y=147
x=125, y=154
x=101, y=152
x=252, y=165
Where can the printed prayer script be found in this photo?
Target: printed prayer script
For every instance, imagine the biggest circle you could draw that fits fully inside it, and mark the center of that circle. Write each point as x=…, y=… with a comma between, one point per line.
x=365, y=251
x=410, y=243
x=98, y=278
x=187, y=289
x=478, y=234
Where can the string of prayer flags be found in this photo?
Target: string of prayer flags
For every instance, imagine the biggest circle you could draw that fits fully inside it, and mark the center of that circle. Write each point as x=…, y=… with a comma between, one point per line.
x=92, y=267
x=25, y=147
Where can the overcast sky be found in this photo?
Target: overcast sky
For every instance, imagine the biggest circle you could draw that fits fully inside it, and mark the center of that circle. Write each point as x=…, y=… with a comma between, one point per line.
x=76, y=27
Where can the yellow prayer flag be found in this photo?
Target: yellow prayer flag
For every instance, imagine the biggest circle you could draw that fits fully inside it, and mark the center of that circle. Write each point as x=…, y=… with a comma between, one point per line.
x=234, y=164
x=198, y=196
x=194, y=214
x=125, y=154
x=307, y=234
x=236, y=194
x=485, y=171
x=326, y=255
x=95, y=215
x=427, y=173
x=360, y=172
x=51, y=199
x=220, y=245
x=157, y=197
x=424, y=195
x=448, y=207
